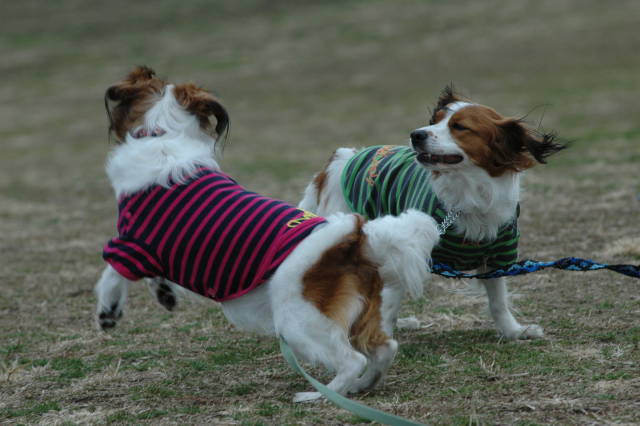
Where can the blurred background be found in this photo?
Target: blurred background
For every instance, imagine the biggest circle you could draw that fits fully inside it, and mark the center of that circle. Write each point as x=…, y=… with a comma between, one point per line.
x=300, y=79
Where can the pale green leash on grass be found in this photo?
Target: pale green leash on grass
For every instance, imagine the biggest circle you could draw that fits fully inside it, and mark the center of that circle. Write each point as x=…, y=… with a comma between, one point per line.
x=356, y=408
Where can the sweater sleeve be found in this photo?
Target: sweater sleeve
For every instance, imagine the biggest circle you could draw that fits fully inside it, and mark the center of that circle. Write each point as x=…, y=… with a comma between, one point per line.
x=131, y=259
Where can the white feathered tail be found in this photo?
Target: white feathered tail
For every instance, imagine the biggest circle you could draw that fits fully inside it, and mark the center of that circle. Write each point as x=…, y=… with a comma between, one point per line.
x=402, y=246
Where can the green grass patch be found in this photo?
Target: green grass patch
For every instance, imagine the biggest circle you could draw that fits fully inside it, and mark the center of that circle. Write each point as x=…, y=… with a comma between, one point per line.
x=152, y=391
x=9, y=350
x=120, y=417
x=143, y=354
x=244, y=389
x=412, y=352
x=33, y=362
x=630, y=335
x=351, y=419
x=449, y=310
x=267, y=409
x=217, y=357
x=139, y=330
x=187, y=327
x=37, y=409
x=192, y=409
x=69, y=368
x=151, y=414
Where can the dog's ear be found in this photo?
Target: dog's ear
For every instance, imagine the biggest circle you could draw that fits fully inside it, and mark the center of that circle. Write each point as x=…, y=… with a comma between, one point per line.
x=447, y=96
x=136, y=86
x=519, y=144
x=203, y=105
x=131, y=85
x=542, y=145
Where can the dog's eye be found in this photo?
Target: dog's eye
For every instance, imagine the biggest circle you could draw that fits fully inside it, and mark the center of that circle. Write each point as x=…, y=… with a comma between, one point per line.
x=458, y=126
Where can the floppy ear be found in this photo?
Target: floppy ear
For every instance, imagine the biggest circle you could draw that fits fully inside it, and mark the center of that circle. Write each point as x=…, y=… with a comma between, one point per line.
x=522, y=143
x=131, y=85
x=543, y=145
x=203, y=105
x=447, y=96
x=135, y=85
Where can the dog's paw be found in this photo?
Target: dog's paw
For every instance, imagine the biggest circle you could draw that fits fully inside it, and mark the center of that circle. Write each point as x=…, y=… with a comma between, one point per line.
x=408, y=323
x=166, y=297
x=525, y=332
x=307, y=396
x=366, y=383
x=108, y=318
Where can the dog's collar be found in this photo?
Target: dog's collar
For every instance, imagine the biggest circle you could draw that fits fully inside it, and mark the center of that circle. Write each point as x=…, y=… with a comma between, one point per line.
x=143, y=133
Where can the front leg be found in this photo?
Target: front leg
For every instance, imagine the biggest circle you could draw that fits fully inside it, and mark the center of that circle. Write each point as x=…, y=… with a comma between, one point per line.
x=111, y=291
x=506, y=324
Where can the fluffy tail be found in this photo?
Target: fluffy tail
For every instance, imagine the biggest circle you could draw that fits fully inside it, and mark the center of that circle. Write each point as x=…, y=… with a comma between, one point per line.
x=402, y=246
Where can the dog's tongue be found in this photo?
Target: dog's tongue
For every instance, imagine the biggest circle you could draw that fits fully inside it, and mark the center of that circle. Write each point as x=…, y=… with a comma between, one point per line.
x=450, y=159
x=435, y=158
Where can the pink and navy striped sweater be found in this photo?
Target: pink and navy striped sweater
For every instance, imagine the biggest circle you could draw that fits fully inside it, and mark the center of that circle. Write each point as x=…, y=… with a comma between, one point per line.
x=210, y=235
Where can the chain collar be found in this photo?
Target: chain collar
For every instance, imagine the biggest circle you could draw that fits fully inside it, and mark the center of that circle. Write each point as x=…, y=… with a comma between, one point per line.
x=449, y=220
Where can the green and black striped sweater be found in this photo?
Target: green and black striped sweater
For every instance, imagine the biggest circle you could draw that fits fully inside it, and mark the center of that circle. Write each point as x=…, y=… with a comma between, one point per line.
x=383, y=180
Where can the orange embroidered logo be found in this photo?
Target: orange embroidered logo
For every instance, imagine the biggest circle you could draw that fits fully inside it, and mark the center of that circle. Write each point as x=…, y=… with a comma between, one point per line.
x=297, y=221
x=372, y=173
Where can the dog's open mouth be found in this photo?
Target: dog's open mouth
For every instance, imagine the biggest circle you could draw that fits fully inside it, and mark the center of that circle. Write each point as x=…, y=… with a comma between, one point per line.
x=435, y=158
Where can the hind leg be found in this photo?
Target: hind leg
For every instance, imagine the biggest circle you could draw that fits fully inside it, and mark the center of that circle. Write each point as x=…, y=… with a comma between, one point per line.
x=164, y=292
x=350, y=368
x=318, y=339
x=378, y=365
x=111, y=291
x=392, y=297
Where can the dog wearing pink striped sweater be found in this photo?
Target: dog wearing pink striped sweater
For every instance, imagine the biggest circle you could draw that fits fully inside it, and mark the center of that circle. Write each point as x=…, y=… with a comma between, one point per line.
x=274, y=268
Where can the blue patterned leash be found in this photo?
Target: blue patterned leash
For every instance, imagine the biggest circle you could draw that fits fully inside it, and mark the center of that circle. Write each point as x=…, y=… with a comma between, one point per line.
x=528, y=266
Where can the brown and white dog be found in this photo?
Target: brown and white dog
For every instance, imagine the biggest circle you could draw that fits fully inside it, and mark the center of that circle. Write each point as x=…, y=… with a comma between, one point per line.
x=471, y=158
x=324, y=297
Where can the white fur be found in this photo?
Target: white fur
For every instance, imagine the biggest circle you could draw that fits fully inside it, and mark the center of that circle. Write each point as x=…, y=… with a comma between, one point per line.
x=485, y=203
x=333, y=202
x=139, y=163
x=278, y=306
x=403, y=252
x=111, y=292
x=403, y=249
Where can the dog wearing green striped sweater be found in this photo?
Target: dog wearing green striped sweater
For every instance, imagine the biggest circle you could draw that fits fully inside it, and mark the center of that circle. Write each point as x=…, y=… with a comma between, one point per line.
x=464, y=170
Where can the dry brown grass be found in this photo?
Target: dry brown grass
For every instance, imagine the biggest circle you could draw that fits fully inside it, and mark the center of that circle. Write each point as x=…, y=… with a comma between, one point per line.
x=300, y=81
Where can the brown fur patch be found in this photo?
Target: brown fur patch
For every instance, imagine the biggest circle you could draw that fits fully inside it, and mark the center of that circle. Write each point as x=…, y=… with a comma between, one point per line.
x=203, y=105
x=438, y=116
x=134, y=95
x=341, y=276
x=495, y=143
x=447, y=96
x=320, y=179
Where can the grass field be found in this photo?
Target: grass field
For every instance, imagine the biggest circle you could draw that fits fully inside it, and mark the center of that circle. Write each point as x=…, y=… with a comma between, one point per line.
x=300, y=80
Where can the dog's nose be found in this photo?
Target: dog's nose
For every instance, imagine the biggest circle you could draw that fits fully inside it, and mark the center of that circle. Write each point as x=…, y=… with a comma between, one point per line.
x=418, y=137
